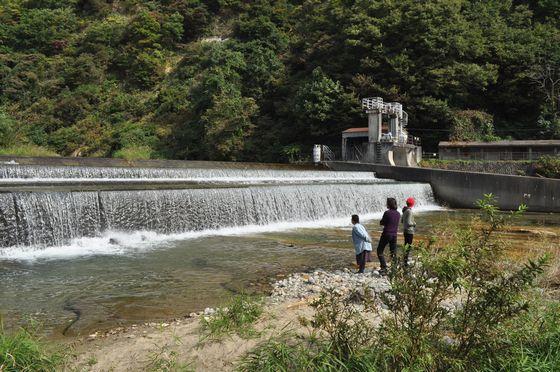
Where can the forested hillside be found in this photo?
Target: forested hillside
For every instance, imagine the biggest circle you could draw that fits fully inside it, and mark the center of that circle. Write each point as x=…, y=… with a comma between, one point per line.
x=264, y=80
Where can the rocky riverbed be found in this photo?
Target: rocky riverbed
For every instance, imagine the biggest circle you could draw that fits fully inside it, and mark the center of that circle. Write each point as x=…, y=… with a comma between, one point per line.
x=305, y=285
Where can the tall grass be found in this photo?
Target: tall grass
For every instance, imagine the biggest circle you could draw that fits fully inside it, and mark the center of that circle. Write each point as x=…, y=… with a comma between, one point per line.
x=26, y=150
x=236, y=317
x=534, y=340
x=24, y=351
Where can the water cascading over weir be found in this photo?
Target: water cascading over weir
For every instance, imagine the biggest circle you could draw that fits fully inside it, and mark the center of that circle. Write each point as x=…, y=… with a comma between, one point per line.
x=45, y=206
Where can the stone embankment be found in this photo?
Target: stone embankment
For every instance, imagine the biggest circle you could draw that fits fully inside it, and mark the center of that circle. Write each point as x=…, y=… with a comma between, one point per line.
x=514, y=168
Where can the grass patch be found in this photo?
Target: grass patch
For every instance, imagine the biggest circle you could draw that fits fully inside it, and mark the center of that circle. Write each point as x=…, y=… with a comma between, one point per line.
x=134, y=153
x=285, y=354
x=237, y=316
x=166, y=361
x=25, y=351
x=26, y=150
x=535, y=340
x=278, y=355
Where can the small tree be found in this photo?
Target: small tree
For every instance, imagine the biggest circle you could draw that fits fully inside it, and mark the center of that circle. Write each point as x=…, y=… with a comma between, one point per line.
x=448, y=309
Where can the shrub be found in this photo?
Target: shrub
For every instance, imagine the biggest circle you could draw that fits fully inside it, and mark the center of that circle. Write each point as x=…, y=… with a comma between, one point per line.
x=133, y=134
x=341, y=323
x=548, y=166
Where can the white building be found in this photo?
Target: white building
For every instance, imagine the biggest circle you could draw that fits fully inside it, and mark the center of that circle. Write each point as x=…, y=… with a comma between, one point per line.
x=385, y=139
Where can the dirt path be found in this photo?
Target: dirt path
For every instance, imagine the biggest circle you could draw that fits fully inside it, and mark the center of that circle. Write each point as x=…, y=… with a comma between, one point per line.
x=170, y=346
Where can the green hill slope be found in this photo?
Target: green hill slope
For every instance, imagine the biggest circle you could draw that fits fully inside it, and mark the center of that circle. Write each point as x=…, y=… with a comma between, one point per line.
x=264, y=80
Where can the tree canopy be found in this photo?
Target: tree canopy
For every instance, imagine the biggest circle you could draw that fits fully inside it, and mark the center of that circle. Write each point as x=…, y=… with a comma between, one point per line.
x=262, y=80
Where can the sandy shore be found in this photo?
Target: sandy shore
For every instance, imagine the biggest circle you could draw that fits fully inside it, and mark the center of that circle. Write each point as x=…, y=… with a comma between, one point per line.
x=178, y=343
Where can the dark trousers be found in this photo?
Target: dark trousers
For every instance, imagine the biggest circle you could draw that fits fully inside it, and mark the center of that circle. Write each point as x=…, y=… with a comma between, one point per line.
x=383, y=241
x=361, y=261
x=408, y=238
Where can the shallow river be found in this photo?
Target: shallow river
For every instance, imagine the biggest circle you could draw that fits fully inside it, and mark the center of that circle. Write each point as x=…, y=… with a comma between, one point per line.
x=180, y=276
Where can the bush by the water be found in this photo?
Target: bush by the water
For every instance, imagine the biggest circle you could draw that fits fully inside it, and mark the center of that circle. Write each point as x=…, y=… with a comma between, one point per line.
x=548, y=166
x=460, y=307
x=24, y=351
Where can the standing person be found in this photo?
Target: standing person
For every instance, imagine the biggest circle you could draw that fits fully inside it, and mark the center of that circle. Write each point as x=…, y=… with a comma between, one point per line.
x=409, y=226
x=362, y=242
x=390, y=223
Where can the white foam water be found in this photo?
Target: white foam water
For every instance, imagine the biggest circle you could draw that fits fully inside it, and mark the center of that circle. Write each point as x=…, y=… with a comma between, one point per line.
x=248, y=180
x=121, y=243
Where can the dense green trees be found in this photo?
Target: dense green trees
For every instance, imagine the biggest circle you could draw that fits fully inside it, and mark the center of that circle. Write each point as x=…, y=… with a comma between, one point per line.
x=264, y=80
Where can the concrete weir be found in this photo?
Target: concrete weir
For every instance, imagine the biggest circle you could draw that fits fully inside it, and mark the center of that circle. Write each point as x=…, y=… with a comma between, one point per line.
x=459, y=189
x=66, y=206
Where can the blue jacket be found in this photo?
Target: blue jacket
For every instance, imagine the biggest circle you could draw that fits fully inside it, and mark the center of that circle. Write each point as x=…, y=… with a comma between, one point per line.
x=361, y=239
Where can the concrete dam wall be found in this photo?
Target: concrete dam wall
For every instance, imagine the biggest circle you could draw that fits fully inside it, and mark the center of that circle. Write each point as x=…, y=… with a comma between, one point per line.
x=459, y=189
x=153, y=163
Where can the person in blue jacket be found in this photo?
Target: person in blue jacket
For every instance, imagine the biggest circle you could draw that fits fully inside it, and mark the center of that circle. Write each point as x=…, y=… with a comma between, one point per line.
x=362, y=242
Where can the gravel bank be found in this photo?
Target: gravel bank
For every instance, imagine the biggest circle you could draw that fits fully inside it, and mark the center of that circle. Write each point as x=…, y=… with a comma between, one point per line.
x=303, y=285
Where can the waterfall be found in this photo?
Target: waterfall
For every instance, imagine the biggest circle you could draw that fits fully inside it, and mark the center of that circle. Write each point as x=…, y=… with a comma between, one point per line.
x=41, y=219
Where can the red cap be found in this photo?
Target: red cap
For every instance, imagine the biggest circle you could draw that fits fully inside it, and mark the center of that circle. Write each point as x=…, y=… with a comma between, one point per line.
x=410, y=202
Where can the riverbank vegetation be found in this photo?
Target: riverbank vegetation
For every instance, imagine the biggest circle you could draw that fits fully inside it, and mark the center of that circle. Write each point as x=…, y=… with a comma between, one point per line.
x=461, y=306
x=23, y=350
x=264, y=80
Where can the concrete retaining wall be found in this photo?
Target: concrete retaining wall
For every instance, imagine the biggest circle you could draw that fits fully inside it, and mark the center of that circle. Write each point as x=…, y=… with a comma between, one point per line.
x=461, y=189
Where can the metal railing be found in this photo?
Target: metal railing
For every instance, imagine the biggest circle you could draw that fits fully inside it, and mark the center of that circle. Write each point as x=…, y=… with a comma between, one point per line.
x=390, y=108
x=328, y=154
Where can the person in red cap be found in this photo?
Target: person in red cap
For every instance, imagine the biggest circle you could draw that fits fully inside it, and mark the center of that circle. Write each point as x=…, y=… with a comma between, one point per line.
x=409, y=225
